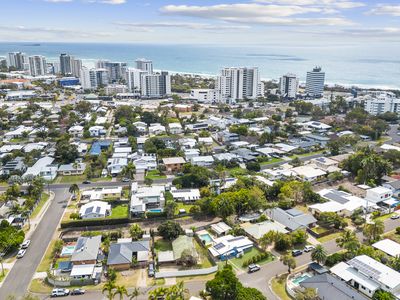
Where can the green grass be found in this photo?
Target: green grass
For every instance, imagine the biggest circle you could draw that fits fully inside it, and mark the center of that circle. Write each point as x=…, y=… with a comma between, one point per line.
x=47, y=258
x=162, y=245
x=184, y=206
x=329, y=237
x=384, y=217
x=205, y=261
x=307, y=154
x=393, y=236
x=238, y=171
x=238, y=262
x=319, y=229
x=155, y=174
x=279, y=288
x=40, y=205
x=70, y=179
x=271, y=161
x=119, y=211
x=2, y=276
x=39, y=286
x=101, y=179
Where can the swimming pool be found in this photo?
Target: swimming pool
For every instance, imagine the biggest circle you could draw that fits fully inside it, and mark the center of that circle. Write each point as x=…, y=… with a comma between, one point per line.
x=67, y=250
x=301, y=278
x=155, y=210
x=206, y=238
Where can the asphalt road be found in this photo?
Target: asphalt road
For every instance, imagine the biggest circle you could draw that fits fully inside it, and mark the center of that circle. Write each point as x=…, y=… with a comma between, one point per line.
x=17, y=281
x=393, y=134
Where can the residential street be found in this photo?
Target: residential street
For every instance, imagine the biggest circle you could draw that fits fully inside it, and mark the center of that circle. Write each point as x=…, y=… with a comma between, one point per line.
x=17, y=281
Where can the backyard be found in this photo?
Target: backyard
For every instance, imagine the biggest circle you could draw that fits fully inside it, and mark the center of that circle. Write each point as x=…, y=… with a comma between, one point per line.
x=119, y=211
x=155, y=174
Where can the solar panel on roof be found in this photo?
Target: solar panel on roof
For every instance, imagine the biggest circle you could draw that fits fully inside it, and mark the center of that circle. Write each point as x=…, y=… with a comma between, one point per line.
x=88, y=210
x=219, y=246
x=336, y=197
x=364, y=268
x=236, y=239
x=294, y=212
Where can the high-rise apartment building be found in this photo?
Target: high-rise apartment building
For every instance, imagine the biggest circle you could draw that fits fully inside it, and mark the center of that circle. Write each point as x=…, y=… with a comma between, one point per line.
x=144, y=65
x=134, y=79
x=315, y=82
x=239, y=83
x=66, y=64
x=288, y=86
x=37, y=65
x=93, y=78
x=76, y=66
x=116, y=70
x=18, y=60
x=155, y=85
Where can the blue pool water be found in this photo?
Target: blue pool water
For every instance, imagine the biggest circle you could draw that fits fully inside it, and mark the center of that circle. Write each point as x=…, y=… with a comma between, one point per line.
x=156, y=210
x=67, y=250
x=206, y=237
x=301, y=278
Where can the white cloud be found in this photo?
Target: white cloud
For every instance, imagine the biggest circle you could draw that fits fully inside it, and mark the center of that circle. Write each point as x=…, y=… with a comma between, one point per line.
x=392, y=10
x=257, y=14
x=114, y=2
x=340, y=4
x=184, y=25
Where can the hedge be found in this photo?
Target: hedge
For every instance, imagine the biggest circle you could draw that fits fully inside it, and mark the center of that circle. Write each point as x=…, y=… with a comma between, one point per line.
x=154, y=215
x=94, y=222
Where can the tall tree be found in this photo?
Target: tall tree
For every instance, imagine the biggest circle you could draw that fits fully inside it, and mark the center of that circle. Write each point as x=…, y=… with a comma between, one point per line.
x=108, y=289
x=74, y=189
x=121, y=291
x=374, y=229
x=289, y=261
x=319, y=254
x=348, y=240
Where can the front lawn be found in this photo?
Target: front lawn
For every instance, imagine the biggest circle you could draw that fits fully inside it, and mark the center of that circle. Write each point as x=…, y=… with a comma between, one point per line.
x=155, y=174
x=329, y=237
x=40, y=205
x=119, y=211
x=71, y=179
x=39, y=286
x=384, y=217
x=307, y=154
x=238, y=262
x=272, y=160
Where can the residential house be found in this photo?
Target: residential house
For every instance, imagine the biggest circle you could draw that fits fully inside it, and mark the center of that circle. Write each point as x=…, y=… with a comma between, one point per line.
x=245, y=154
x=197, y=127
x=98, y=146
x=173, y=164
x=340, y=202
x=208, y=141
x=257, y=230
x=368, y=275
x=145, y=162
x=227, y=246
x=203, y=161
x=18, y=132
x=319, y=139
x=331, y=287
x=14, y=167
x=291, y=219
x=225, y=156
x=72, y=169
x=44, y=168
x=146, y=198
x=76, y=131
x=105, y=193
x=185, y=195
x=183, y=243
x=116, y=165
x=381, y=196
x=309, y=173
x=97, y=130
x=388, y=246
x=140, y=126
x=86, y=250
x=187, y=143
x=227, y=137
x=125, y=252
x=326, y=164
x=156, y=129
x=394, y=186
x=94, y=210
x=190, y=153
x=175, y=128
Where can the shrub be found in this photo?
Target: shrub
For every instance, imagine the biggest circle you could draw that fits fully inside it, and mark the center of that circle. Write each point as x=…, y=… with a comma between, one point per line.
x=93, y=222
x=398, y=230
x=334, y=258
x=74, y=216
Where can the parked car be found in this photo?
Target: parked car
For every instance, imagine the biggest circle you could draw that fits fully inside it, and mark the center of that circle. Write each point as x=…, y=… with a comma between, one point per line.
x=395, y=217
x=59, y=292
x=309, y=248
x=296, y=252
x=87, y=182
x=125, y=179
x=77, y=292
x=21, y=253
x=151, y=271
x=25, y=244
x=254, y=268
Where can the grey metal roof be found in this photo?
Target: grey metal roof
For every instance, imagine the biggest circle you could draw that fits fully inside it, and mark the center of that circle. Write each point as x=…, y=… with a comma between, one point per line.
x=289, y=221
x=337, y=196
x=331, y=288
x=121, y=253
x=87, y=248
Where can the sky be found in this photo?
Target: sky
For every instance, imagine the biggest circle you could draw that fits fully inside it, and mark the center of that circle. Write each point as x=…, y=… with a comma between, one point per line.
x=219, y=22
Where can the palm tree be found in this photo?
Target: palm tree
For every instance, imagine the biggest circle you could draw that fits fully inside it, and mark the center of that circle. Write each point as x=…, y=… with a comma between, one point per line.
x=178, y=291
x=158, y=293
x=121, y=291
x=134, y=294
x=15, y=210
x=348, y=240
x=289, y=261
x=74, y=189
x=129, y=171
x=108, y=288
x=135, y=231
x=319, y=254
x=26, y=214
x=374, y=229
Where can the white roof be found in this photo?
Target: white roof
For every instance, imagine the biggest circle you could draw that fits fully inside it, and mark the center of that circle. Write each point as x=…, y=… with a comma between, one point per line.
x=173, y=160
x=258, y=230
x=269, y=150
x=39, y=166
x=308, y=172
x=98, y=207
x=228, y=243
x=175, y=125
x=81, y=270
x=388, y=246
x=9, y=148
x=285, y=147
x=220, y=227
x=206, y=158
x=101, y=120
x=390, y=147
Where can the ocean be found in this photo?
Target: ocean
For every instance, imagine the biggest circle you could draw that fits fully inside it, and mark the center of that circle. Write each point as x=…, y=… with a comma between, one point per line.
x=375, y=66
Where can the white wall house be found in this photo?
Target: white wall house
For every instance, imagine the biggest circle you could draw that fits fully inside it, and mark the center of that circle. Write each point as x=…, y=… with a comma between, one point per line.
x=95, y=209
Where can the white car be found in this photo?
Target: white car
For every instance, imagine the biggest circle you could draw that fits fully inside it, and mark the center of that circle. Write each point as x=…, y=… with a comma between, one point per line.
x=395, y=217
x=308, y=248
x=25, y=244
x=59, y=292
x=21, y=253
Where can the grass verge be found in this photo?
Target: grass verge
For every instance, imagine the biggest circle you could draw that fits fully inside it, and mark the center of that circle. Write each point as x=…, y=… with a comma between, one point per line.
x=40, y=205
x=279, y=287
x=329, y=237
